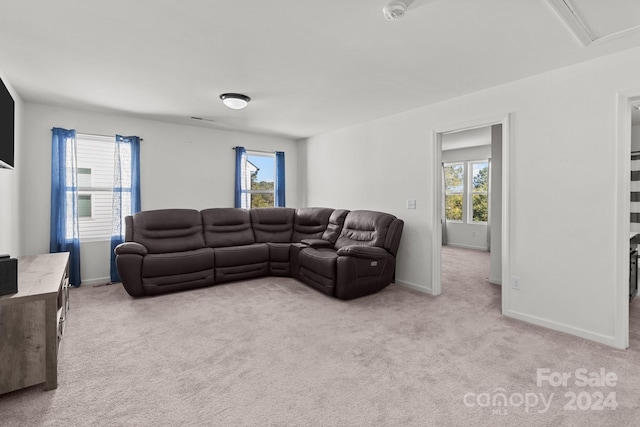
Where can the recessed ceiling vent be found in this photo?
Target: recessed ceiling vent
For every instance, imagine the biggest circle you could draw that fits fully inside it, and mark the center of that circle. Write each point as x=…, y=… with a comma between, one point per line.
x=202, y=119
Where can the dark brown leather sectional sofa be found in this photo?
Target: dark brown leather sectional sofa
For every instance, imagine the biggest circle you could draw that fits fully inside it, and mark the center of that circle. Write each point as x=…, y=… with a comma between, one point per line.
x=346, y=254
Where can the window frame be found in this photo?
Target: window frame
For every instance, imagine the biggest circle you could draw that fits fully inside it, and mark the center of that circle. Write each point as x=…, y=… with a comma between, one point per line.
x=473, y=192
x=104, y=166
x=91, y=206
x=461, y=193
x=467, y=190
x=249, y=192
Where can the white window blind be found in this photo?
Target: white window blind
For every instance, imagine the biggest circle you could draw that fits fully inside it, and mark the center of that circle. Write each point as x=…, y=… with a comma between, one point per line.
x=95, y=166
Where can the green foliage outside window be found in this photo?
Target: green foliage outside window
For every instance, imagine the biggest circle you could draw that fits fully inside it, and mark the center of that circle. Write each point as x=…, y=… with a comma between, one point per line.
x=480, y=208
x=481, y=179
x=453, y=207
x=454, y=186
x=480, y=199
x=262, y=200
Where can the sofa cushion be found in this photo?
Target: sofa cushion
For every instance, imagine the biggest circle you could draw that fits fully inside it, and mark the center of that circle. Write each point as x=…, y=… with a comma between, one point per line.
x=334, y=228
x=365, y=228
x=241, y=255
x=168, y=230
x=318, y=268
x=272, y=224
x=241, y=262
x=279, y=259
x=279, y=252
x=225, y=227
x=172, y=263
x=310, y=223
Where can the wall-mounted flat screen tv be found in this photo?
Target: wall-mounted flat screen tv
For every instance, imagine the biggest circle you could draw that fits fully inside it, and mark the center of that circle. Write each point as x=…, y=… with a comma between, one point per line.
x=7, y=127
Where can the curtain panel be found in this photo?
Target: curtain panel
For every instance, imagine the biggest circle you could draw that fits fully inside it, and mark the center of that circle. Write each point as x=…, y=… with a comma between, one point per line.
x=126, y=191
x=64, y=226
x=241, y=155
x=280, y=182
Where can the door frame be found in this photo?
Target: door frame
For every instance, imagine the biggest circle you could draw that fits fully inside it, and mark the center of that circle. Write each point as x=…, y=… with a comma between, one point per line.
x=436, y=249
x=626, y=102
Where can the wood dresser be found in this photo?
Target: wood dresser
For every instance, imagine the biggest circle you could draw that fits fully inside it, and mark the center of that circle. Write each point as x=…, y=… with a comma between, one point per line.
x=32, y=322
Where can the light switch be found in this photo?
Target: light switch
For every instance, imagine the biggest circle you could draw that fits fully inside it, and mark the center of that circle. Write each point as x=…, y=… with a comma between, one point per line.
x=411, y=204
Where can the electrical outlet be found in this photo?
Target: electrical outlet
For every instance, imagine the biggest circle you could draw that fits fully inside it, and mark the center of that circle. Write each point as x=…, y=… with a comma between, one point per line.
x=515, y=283
x=411, y=204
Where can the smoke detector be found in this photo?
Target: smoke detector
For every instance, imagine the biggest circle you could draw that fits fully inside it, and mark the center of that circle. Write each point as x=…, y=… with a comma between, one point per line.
x=394, y=10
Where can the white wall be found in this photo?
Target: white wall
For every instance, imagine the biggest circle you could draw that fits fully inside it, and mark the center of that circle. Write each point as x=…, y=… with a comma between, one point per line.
x=10, y=185
x=181, y=167
x=562, y=151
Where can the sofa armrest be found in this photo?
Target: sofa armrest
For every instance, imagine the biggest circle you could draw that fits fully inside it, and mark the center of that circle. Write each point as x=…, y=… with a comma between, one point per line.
x=130, y=248
x=317, y=243
x=368, y=252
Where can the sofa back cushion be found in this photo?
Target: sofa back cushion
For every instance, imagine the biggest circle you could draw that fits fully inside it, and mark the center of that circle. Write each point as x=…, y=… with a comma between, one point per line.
x=336, y=222
x=168, y=230
x=272, y=224
x=225, y=227
x=310, y=223
x=365, y=228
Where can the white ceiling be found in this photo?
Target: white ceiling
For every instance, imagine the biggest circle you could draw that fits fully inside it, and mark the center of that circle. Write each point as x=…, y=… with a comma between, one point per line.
x=310, y=66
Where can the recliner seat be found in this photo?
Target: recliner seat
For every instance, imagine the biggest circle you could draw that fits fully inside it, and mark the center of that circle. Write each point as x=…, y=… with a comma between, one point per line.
x=362, y=261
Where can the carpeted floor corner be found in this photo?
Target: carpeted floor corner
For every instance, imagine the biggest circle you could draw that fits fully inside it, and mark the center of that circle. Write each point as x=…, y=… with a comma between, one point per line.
x=272, y=352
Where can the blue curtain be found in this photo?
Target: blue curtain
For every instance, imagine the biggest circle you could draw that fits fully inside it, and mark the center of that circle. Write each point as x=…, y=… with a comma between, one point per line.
x=280, y=201
x=126, y=191
x=241, y=154
x=64, y=228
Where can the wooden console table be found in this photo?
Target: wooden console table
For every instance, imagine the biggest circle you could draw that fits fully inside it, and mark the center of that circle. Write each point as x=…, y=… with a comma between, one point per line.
x=32, y=322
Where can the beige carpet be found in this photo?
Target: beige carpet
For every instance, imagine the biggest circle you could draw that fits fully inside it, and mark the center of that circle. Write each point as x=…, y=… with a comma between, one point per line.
x=272, y=352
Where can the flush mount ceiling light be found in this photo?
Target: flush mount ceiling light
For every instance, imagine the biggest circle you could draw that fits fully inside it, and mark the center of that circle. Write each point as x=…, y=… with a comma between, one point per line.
x=394, y=10
x=235, y=101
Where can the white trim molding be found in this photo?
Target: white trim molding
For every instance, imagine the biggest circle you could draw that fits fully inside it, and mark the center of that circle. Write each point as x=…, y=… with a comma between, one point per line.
x=622, y=207
x=580, y=29
x=415, y=287
x=562, y=327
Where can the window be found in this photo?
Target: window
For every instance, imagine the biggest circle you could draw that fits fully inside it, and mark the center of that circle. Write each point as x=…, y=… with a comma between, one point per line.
x=259, y=180
x=85, y=208
x=95, y=169
x=85, y=200
x=454, y=191
x=466, y=191
x=479, y=191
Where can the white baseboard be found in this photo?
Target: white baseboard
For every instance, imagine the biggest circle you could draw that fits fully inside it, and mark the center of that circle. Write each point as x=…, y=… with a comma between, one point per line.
x=562, y=327
x=96, y=282
x=495, y=281
x=415, y=287
x=477, y=248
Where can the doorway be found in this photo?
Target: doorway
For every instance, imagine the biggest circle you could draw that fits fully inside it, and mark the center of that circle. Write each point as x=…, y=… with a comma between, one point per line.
x=634, y=303
x=471, y=191
x=498, y=236
x=627, y=103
